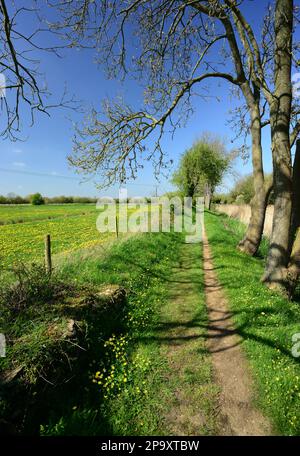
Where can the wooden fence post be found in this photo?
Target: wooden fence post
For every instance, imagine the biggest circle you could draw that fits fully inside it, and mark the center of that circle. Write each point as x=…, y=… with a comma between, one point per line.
x=48, y=262
x=117, y=226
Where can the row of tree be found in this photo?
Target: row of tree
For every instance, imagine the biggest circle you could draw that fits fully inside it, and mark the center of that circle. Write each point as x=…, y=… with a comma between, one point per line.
x=37, y=199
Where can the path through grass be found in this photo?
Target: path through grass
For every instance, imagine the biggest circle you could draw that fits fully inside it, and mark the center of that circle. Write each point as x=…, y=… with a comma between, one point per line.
x=156, y=376
x=181, y=333
x=265, y=321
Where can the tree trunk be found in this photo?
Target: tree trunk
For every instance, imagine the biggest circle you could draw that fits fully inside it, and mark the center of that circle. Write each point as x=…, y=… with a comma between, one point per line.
x=251, y=241
x=207, y=196
x=294, y=264
x=275, y=275
x=295, y=222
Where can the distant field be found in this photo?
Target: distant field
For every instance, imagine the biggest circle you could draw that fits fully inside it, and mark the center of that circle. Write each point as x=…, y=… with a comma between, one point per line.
x=19, y=213
x=71, y=226
x=25, y=241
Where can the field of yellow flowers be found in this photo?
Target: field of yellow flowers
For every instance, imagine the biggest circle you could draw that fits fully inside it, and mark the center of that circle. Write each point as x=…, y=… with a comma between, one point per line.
x=25, y=241
x=72, y=227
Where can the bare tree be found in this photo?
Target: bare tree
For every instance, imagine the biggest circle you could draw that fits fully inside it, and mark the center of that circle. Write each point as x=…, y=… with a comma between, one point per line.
x=24, y=85
x=178, y=45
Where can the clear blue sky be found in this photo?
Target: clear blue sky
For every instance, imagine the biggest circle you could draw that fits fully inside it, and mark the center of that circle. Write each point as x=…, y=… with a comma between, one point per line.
x=49, y=141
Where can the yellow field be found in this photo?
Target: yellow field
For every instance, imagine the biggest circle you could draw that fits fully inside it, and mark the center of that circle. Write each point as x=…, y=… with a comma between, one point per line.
x=23, y=242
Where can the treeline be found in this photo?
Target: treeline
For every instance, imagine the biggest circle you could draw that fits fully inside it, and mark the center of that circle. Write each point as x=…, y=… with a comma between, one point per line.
x=17, y=199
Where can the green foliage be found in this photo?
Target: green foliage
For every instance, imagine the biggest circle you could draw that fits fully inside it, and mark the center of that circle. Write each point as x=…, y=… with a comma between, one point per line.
x=265, y=321
x=16, y=199
x=204, y=164
x=243, y=191
x=36, y=199
x=240, y=199
x=62, y=199
x=13, y=199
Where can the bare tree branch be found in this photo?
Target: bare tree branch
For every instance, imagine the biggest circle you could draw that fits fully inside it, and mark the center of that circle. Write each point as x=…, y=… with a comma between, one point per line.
x=24, y=85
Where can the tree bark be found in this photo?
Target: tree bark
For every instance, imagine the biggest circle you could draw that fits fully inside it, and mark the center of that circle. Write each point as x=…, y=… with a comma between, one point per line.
x=251, y=241
x=275, y=275
x=294, y=264
x=207, y=196
x=293, y=271
x=295, y=222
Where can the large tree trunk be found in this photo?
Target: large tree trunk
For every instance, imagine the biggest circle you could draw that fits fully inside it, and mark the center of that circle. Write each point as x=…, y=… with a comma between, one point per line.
x=280, y=108
x=294, y=264
x=251, y=241
x=295, y=222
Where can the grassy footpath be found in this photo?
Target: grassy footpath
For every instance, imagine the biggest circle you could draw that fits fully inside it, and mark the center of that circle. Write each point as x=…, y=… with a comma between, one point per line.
x=266, y=322
x=123, y=388
x=155, y=369
x=190, y=408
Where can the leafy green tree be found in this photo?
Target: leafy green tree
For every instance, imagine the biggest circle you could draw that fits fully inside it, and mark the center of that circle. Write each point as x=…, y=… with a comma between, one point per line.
x=202, y=168
x=187, y=178
x=36, y=199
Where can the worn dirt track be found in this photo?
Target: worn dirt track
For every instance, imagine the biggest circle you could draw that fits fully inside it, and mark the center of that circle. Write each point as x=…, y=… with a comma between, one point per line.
x=238, y=415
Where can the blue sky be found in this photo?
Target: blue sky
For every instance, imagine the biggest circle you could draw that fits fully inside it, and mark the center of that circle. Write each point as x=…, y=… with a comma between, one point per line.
x=49, y=140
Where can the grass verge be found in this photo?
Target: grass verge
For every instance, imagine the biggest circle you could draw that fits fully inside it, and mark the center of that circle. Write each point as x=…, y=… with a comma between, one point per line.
x=265, y=321
x=155, y=375
x=122, y=387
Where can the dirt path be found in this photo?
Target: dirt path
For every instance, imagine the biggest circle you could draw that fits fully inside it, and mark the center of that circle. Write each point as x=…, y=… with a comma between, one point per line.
x=237, y=414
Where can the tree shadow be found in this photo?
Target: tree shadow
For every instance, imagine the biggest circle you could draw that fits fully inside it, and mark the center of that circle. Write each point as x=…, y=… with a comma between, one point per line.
x=243, y=331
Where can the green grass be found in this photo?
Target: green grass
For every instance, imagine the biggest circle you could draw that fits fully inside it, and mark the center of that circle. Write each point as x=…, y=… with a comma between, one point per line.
x=72, y=226
x=127, y=402
x=132, y=385
x=140, y=264
x=265, y=320
x=181, y=333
